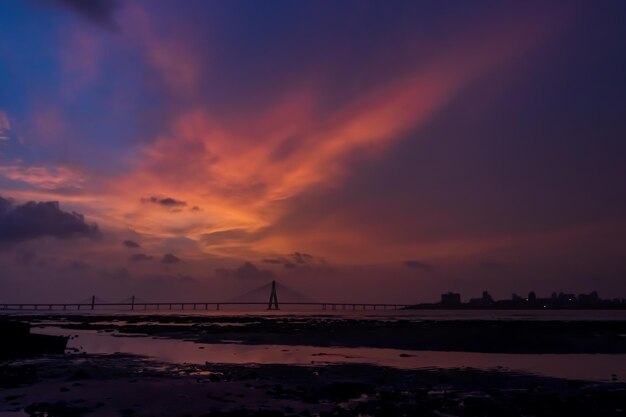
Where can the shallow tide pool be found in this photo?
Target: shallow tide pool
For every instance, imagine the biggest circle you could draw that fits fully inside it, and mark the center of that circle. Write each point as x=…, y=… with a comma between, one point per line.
x=595, y=367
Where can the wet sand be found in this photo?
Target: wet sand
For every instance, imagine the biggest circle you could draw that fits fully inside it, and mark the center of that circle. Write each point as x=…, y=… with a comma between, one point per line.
x=87, y=384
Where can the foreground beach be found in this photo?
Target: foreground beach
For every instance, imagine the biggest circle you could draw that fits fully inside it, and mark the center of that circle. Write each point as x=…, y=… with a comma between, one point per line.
x=311, y=365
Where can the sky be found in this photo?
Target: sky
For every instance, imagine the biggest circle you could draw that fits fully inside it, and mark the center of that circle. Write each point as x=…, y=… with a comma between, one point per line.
x=359, y=151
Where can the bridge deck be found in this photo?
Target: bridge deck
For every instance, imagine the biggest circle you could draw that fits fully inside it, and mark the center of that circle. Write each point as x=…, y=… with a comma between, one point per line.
x=192, y=305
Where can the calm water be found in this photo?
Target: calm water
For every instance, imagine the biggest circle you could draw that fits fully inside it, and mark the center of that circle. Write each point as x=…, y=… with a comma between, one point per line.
x=598, y=367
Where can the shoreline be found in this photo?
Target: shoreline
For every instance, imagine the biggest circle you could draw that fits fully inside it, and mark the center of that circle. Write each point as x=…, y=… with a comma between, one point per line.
x=488, y=336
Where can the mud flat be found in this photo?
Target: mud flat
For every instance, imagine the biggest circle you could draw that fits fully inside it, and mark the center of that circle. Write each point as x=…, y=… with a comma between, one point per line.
x=495, y=336
x=124, y=385
x=195, y=366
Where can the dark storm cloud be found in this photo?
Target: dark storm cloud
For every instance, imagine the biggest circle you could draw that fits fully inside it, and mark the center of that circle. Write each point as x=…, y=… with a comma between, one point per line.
x=169, y=258
x=35, y=220
x=417, y=265
x=100, y=12
x=164, y=201
x=292, y=260
x=301, y=258
x=141, y=257
x=130, y=244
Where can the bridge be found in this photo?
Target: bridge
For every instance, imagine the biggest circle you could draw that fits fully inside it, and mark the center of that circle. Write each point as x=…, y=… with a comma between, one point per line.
x=136, y=304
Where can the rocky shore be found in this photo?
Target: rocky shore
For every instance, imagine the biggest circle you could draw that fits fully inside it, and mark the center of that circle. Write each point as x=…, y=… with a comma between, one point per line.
x=122, y=385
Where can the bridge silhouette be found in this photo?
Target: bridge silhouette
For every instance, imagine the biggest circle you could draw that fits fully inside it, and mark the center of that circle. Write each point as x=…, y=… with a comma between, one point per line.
x=134, y=304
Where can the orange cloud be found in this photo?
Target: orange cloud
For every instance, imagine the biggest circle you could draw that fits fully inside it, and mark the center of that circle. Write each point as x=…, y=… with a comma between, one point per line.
x=241, y=168
x=239, y=171
x=44, y=177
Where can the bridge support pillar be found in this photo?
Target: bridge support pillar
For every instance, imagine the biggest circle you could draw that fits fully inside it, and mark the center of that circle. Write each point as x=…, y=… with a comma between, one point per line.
x=273, y=303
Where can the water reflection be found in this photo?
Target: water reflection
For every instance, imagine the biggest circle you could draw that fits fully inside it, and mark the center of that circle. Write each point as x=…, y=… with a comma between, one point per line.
x=598, y=367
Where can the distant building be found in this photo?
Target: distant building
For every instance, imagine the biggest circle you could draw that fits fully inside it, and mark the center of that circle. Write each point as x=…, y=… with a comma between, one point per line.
x=485, y=300
x=451, y=298
x=591, y=298
x=566, y=298
x=532, y=297
x=516, y=298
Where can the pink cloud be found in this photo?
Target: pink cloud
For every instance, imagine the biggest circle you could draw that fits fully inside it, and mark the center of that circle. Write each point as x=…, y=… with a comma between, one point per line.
x=46, y=178
x=239, y=170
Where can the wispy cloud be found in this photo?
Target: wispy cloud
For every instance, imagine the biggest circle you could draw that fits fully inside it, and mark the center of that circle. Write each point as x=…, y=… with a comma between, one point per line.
x=52, y=177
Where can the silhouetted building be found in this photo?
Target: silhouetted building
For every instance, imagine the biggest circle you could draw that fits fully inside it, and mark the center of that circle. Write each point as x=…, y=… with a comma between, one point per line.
x=591, y=298
x=451, y=298
x=558, y=301
x=485, y=300
x=566, y=298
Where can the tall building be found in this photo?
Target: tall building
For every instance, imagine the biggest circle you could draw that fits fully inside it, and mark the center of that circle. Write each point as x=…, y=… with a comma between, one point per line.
x=451, y=298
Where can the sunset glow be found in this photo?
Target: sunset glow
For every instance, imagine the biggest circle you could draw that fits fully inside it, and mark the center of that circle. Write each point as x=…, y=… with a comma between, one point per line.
x=434, y=148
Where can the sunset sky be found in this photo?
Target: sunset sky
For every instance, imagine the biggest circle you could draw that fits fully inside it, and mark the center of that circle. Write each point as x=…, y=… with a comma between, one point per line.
x=352, y=150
